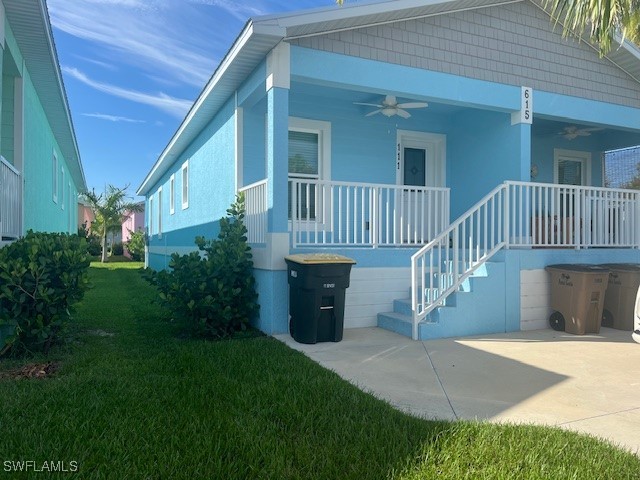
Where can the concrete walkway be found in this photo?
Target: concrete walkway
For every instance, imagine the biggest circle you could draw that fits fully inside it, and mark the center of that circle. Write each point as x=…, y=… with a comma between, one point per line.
x=585, y=383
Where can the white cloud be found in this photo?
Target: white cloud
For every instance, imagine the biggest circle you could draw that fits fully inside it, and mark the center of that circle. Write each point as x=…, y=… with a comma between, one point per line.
x=160, y=37
x=175, y=106
x=112, y=118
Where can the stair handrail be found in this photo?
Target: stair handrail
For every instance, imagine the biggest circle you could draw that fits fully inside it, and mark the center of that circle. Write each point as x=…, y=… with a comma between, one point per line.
x=421, y=302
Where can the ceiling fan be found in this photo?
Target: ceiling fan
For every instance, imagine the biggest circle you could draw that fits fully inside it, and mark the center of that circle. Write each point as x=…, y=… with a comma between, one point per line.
x=390, y=107
x=571, y=132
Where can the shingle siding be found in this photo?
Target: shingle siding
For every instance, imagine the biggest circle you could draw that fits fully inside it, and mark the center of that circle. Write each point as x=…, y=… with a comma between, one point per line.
x=513, y=44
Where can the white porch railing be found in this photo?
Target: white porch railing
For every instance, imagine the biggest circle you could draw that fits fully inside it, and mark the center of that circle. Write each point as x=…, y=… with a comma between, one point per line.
x=547, y=215
x=255, y=219
x=520, y=214
x=330, y=213
x=10, y=201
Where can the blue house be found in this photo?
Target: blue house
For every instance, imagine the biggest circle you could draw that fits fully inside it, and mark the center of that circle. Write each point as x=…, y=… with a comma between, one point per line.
x=452, y=148
x=41, y=172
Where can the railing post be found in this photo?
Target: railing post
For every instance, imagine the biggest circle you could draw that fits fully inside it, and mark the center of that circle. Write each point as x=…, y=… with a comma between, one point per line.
x=375, y=224
x=636, y=221
x=577, y=216
x=506, y=214
x=294, y=212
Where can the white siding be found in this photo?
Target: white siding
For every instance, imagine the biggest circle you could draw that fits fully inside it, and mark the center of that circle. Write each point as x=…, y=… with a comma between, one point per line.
x=535, y=299
x=373, y=290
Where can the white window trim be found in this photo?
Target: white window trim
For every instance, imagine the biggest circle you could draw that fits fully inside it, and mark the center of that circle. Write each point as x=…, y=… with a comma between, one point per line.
x=172, y=194
x=160, y=212
x=55, y=177
x=323, y=130
x=584, y=157
x=185, y=198
x=151, y=232
x=62, y=189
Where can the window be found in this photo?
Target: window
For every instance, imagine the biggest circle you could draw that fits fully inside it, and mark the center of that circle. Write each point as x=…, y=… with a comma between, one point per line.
x=309, y=147
x=69, y=215
x=55, y=177
x=62, y=188
x=160, y=212
x=151, y=215
x=172, y=194
x=185, y=185
x=572, y=167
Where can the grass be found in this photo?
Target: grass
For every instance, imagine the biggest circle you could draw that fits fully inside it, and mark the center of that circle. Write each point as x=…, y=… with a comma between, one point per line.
x=135, y=399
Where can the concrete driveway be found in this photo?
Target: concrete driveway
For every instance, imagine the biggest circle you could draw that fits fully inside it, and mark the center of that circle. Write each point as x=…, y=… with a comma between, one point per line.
x=585, y=383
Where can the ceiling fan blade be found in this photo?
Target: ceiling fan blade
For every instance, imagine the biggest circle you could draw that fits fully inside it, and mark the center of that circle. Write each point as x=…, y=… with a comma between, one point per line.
x=369, y=104
x=402, y=113
x=413, y=105
x=390, y=101
x=374, y=112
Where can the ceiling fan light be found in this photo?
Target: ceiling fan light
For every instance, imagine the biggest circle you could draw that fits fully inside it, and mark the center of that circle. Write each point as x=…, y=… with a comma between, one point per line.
x=388, y=111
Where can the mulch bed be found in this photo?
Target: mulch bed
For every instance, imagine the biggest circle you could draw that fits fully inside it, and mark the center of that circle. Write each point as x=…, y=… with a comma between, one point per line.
x=33, y=370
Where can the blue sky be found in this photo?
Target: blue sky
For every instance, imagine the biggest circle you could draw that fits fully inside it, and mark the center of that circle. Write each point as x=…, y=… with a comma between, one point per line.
x=132, y=69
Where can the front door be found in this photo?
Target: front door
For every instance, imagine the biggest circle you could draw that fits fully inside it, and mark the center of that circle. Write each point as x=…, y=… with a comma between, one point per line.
x=420, y=164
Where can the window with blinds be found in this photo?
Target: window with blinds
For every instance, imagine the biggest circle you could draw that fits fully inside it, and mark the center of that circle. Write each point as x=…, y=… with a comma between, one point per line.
x=304, y=159
x=569, y=172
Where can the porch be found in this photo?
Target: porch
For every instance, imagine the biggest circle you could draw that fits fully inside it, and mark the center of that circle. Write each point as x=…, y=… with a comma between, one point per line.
x=425, y=277
x=10, y=201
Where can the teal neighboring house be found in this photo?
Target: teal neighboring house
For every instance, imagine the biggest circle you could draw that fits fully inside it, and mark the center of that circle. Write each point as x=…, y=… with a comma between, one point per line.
x=41, y=173
x=452, y=148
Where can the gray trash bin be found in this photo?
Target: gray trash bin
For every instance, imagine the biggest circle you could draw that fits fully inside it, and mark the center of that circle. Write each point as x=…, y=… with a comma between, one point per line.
x=620, y=297
x=577, y=295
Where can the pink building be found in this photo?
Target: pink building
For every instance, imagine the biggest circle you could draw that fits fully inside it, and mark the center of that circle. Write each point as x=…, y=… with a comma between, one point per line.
x=85, y=215
x=132, y=222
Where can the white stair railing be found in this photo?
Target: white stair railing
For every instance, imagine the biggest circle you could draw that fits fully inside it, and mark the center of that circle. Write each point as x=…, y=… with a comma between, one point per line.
x=439, y=268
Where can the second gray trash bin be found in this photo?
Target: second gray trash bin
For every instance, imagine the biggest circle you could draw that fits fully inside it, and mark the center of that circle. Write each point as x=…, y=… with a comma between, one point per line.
x=577, y=295
x=620, y=298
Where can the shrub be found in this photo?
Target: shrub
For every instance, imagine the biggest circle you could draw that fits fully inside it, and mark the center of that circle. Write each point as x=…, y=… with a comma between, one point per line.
x=41, y=276
x=94, y=247
x=117, y=249
x=213, y=289
x=135, y=245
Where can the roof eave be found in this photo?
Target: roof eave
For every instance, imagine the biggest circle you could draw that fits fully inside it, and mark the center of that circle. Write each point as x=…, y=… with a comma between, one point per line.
x=172, y=151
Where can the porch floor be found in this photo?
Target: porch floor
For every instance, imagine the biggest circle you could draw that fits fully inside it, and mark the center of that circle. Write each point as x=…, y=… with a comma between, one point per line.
x=585, y=383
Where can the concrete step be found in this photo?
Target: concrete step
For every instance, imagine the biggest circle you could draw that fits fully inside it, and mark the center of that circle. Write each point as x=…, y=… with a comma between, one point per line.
x=396, y=322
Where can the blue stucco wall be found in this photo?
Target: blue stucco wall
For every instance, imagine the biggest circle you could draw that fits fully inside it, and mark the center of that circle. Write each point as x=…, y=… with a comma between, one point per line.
x=211, y=186
x=484, y=150
x=41, y=212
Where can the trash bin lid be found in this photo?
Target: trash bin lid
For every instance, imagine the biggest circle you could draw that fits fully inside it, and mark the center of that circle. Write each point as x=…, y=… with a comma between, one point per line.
x=318, y=258
x=579, y=267
x=623, y=267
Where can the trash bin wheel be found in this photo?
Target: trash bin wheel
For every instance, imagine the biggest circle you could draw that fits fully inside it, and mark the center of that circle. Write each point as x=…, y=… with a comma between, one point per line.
x=607, y=318
x=556, y=321
x=291, y=330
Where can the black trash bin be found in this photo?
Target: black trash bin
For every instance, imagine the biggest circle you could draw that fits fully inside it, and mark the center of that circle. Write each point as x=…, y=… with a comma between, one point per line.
x=317, y=285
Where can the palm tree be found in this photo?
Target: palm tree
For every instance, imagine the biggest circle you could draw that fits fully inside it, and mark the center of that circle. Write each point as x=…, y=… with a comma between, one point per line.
x=109, y=209
x=602, y=19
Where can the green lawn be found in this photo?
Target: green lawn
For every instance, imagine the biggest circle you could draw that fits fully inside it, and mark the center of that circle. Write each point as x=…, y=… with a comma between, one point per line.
x=133, y=398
